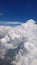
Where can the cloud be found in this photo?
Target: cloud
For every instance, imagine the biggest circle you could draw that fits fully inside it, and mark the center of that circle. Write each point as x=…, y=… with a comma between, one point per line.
x=19, y=43
x=10, y=22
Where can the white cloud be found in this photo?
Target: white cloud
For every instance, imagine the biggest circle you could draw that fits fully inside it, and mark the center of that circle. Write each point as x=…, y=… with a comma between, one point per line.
x=22, y=40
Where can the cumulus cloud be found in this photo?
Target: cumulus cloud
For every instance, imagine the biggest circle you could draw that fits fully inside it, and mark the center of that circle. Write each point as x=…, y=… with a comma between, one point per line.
x=19, y=44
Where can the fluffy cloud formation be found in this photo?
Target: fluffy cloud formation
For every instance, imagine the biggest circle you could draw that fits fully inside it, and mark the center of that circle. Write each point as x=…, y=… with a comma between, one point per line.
x=19, y=44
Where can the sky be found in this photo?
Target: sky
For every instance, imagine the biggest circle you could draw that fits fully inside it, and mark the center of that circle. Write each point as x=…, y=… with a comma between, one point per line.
x=18, y=10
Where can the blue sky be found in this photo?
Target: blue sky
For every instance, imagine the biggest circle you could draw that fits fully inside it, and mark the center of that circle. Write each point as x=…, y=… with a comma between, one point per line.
x=18, y=10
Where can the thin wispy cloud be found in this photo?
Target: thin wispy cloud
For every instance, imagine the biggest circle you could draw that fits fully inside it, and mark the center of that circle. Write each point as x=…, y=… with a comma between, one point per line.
x=1, y=14
x=9, y=22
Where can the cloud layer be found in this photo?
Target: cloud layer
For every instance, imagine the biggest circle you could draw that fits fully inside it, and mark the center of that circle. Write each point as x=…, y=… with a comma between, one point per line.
x=19, y=44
